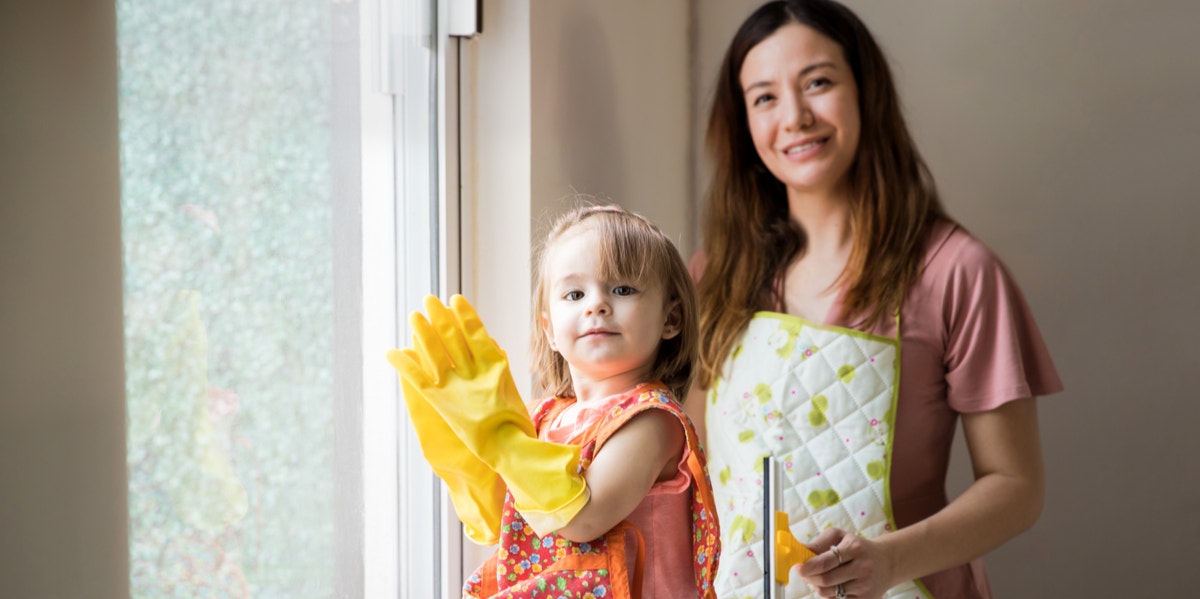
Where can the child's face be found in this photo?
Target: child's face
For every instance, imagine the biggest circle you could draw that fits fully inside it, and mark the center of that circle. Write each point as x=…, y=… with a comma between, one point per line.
x=603, y=329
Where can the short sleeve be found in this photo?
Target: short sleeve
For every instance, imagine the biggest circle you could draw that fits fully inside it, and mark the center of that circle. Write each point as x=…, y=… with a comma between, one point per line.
x=994, y=350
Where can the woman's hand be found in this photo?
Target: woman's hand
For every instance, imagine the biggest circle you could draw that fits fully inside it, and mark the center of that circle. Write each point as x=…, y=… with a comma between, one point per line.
x=1004, y=500
x=848, y=565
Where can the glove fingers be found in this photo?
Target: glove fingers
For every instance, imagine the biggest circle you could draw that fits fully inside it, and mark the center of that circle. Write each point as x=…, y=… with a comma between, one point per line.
x=421, y=356
x=448, y=329
x=428, y=345
x=407, y=363
x=425, y=419
x=439, y=443
x=484, y=348
x=476, y=491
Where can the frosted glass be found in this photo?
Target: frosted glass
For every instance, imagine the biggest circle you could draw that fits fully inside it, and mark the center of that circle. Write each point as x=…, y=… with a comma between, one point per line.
x=225, y=109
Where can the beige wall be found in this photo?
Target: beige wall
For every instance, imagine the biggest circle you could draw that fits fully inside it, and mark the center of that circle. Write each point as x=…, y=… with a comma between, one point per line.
x=611, y=107
x=558, y=98
x=62, y=403
x=1064, y=135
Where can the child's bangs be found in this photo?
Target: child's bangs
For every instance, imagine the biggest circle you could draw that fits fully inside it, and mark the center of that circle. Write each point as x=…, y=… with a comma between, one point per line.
x=628, y=252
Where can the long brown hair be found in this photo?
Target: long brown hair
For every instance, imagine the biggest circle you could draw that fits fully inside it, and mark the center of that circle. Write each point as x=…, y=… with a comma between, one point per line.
x=749, y=237
x=631, y=249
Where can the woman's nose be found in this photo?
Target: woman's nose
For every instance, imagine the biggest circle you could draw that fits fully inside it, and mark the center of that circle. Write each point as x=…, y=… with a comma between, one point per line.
x=799, y=115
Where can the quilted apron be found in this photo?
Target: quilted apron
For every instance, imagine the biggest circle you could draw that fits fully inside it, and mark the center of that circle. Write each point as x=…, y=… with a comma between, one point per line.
x=821, y=400
x=527, y=566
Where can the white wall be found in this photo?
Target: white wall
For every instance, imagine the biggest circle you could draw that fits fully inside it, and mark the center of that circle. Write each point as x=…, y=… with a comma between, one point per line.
x=1064, y=135
x=62, y=401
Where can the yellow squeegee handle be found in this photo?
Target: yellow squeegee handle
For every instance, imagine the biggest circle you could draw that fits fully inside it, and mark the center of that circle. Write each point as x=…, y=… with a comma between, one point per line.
x=788, y=551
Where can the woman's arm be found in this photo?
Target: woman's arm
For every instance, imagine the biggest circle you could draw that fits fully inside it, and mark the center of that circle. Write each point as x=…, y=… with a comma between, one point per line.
x=646, y=449
x=1004, y=501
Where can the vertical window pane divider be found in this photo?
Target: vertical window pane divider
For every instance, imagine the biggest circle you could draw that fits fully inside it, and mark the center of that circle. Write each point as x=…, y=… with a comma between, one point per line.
x=450, y=259
x=380, y=324
x=427, y=262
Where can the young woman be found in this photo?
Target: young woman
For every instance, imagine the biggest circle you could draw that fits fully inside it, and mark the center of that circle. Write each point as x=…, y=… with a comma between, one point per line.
x=607, y=490
x=847, y=324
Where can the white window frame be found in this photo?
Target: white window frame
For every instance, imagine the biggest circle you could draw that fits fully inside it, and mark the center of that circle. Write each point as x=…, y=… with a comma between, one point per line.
x=401, y=520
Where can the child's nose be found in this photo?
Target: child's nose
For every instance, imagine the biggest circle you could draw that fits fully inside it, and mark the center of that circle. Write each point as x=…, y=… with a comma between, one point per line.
x=598, y=305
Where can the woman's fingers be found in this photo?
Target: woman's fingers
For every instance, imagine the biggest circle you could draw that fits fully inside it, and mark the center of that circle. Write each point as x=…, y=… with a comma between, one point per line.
x=826, y=560
x=829, y=571
x=846, y=565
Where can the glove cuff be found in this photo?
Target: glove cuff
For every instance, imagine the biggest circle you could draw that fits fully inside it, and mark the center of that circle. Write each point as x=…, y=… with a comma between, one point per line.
x=481, y=537
x=546, y=522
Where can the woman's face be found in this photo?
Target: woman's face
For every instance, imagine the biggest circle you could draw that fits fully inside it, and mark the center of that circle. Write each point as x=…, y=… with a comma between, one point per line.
x=802, y=108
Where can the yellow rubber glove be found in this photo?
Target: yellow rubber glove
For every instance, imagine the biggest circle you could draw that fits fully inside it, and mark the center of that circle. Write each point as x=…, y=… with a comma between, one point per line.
x=476, y=491
x=464, y=375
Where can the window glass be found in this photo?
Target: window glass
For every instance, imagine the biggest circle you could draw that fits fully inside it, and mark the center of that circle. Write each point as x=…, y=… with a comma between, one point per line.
x=227, y=216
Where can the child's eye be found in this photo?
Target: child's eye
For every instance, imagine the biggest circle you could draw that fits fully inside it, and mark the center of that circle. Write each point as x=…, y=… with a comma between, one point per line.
x=624, y=290
x=573, y=296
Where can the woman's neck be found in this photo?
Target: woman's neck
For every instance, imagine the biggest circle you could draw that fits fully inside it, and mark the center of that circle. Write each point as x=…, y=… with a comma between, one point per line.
x=825, y=219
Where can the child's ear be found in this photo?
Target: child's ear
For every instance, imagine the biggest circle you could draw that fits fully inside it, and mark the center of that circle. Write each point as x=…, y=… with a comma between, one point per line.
x=548, y=331
x=674, y=321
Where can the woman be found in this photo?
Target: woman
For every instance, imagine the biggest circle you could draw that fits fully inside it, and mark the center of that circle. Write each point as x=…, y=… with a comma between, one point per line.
x=847, y=324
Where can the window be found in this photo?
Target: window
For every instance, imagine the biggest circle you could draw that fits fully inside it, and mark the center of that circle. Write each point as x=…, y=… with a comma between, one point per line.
x=282, y=201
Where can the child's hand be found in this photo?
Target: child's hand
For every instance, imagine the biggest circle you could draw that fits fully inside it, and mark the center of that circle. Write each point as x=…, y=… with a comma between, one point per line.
x=464, y=375
x=476, y=491
x=456, y=364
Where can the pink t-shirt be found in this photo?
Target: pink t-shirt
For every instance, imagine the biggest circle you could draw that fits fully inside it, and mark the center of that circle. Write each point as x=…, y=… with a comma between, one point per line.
x=664, y=517
x=968, y=343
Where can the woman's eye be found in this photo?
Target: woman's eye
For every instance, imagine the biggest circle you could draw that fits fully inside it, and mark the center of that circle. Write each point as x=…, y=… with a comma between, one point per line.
x=818, y=83
x=573, y=296
x=624, y=290
x=763, y=99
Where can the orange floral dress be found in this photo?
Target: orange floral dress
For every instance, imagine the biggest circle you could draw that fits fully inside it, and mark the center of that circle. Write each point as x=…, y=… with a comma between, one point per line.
x=528, y=566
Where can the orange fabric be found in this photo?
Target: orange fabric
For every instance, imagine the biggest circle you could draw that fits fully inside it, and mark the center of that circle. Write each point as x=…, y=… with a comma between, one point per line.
x=592, y=426
x=664, y=512
x=527, y=565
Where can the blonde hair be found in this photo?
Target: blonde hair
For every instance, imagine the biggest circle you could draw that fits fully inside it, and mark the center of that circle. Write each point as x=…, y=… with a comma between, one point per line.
x=631, y=249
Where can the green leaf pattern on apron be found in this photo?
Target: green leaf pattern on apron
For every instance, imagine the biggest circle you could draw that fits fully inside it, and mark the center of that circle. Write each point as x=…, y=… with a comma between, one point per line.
x=821, y=400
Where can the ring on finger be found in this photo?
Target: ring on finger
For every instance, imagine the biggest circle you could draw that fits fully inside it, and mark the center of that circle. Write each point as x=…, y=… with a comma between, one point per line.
x=837, y=554
x=840, y=591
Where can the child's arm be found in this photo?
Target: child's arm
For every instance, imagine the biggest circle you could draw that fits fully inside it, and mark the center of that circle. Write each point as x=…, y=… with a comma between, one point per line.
x=645, y=450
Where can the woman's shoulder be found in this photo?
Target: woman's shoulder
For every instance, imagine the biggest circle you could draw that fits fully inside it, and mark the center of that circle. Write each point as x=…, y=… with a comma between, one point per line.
x=950, y=243
x=953, y=251
x=991, y=346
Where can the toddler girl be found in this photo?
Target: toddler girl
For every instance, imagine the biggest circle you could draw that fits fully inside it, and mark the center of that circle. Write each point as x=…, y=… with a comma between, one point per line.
x=607, y=492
